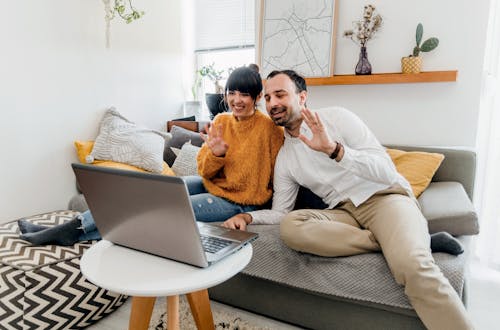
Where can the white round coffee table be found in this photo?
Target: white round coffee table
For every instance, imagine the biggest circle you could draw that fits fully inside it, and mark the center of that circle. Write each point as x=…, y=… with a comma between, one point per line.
x=145, y=277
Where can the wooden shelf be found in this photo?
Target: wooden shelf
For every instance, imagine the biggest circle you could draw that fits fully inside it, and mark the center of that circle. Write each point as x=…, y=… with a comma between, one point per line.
x=385, y=78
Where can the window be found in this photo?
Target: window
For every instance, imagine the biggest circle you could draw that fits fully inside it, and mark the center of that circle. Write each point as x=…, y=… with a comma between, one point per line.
x=224, y=35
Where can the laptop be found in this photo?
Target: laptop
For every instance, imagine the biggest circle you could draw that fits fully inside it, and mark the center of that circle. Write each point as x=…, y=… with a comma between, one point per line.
x=152, y=213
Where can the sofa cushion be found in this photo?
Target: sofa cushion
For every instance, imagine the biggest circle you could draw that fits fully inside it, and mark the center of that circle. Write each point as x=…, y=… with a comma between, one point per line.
x=362, y=278
x=180, y=136
x=447, y=207
x=185, y=163
x=120, y=140
x=416, y=167
x=41, y=287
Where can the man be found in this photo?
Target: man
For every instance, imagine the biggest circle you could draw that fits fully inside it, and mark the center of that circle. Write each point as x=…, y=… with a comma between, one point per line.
x=370, y=205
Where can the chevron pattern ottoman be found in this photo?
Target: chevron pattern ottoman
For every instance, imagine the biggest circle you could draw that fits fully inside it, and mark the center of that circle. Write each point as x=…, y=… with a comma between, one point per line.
x=41, y=287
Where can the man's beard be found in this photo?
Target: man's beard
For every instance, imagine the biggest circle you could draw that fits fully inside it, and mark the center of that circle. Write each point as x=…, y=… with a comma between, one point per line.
x=282, y=120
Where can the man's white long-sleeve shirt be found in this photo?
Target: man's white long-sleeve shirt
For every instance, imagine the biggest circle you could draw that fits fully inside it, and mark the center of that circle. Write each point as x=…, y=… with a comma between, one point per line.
x=365, y=168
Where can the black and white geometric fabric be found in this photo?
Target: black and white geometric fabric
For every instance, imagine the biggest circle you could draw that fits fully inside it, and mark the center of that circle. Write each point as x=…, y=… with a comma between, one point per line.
x=41, y=287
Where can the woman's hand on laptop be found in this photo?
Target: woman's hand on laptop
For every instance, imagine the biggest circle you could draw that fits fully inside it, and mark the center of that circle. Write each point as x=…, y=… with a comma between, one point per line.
x=239, y=221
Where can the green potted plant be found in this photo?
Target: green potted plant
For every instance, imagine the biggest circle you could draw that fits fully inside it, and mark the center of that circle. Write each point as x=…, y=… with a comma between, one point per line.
x=215, y=101
x=112, y=8
x=413, y=62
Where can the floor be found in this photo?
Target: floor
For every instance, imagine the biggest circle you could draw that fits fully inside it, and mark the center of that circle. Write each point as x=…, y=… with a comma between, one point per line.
x=484, y=304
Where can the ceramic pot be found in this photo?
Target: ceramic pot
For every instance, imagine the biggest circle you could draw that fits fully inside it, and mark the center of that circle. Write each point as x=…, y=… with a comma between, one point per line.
x=411, y=64
x=216, y=104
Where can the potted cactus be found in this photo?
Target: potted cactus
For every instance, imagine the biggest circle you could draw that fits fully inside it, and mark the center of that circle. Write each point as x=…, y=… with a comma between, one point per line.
x=413, y=63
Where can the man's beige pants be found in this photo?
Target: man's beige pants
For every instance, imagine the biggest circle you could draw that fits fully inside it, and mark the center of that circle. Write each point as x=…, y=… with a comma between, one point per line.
x=390, y=222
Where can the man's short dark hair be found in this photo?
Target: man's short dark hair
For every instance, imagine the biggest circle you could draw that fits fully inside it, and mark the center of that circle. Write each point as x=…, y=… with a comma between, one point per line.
x=298, y=80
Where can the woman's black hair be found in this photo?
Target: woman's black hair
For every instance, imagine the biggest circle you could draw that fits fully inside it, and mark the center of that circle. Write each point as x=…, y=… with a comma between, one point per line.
x=245, y=79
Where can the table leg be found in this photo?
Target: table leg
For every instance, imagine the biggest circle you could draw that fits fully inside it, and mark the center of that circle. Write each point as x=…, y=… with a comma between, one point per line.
x=173, y=313
x=140, y=315
x=200, y=307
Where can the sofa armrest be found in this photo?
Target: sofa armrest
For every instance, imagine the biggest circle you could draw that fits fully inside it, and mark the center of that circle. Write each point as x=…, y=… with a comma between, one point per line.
x=195, y=126
x=459, y=165
x=447, y=207
x=189, y=125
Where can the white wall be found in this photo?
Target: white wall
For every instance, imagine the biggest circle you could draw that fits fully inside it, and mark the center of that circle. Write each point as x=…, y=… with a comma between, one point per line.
x=417, y=114
x=57, y=78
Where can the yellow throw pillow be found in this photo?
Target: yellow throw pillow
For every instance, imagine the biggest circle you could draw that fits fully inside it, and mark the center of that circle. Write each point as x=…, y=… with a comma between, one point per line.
x=416, y=166
x=84, y=148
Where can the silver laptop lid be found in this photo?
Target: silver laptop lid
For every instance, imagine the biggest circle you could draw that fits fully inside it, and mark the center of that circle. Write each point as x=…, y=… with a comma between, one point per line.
x=143, y=211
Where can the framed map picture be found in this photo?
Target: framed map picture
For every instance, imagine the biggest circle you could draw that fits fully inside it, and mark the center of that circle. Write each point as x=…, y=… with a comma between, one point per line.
x=297, y=35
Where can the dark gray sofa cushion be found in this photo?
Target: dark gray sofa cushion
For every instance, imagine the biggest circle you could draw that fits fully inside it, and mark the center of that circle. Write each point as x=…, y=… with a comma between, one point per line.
x=179, y=137
x=447, y=207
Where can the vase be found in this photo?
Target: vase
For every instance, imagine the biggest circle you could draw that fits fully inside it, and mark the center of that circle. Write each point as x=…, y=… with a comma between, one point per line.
x=216, y=104
x=363, y=66
x=192, y=108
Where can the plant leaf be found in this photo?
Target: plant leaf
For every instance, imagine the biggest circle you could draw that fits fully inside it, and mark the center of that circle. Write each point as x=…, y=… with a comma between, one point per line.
x=420, y=32
x=429, y=44
x=416, y=51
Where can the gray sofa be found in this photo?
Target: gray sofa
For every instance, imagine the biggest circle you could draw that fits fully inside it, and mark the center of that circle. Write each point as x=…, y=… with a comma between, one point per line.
x=356, y=292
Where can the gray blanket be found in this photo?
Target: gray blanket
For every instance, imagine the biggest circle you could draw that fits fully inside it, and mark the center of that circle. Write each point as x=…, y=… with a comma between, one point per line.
x=363, y=277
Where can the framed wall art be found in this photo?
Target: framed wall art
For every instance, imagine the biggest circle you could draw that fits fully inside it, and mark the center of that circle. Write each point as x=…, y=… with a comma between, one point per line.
x=297, y=35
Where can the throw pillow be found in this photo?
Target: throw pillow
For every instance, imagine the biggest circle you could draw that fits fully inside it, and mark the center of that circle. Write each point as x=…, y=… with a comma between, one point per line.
x=185, y=163
x=120, y=140
x=417, y=167
x=190, y=118
x=83, y=149
x=180, y=136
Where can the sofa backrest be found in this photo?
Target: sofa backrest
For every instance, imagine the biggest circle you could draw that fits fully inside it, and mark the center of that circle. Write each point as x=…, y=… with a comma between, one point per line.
x=459, y=164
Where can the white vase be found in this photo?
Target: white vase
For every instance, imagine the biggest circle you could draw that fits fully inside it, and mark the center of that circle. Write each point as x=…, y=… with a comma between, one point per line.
x=192, y=108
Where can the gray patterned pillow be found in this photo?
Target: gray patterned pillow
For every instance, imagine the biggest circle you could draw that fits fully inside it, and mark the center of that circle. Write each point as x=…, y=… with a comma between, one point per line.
x=121, y=140
x=185, y=163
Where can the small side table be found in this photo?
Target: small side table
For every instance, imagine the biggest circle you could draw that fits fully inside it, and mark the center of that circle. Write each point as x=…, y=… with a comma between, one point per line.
x=145, y=277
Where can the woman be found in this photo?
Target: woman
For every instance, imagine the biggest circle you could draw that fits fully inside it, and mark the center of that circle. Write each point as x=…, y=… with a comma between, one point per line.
x=236, y=161
x=235, y=164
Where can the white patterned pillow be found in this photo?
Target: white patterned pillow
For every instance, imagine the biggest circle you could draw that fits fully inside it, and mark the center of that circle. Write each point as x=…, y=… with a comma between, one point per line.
x=185, y=163
x=121, y=140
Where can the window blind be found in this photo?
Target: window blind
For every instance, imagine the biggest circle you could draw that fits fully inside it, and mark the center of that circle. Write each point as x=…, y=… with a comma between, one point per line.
x=222, y=24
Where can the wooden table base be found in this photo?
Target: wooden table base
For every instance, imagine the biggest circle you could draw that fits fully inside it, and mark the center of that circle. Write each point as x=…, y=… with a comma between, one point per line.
x=140, y=315
x=200, y=307
x=173, y=312
x=142, y=309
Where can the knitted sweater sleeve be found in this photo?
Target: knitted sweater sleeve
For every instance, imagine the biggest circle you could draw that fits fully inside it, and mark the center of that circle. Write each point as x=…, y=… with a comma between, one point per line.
x=209, y=164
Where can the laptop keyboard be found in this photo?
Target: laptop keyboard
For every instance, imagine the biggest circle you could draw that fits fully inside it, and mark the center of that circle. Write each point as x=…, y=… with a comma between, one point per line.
x=213, y=244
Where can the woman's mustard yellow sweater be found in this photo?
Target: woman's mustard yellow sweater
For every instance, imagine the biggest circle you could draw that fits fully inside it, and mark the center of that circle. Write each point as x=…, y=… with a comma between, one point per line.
x=244, y=174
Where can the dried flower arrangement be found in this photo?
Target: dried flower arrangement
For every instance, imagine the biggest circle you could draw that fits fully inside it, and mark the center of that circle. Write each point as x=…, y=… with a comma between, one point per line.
x=365, y=29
